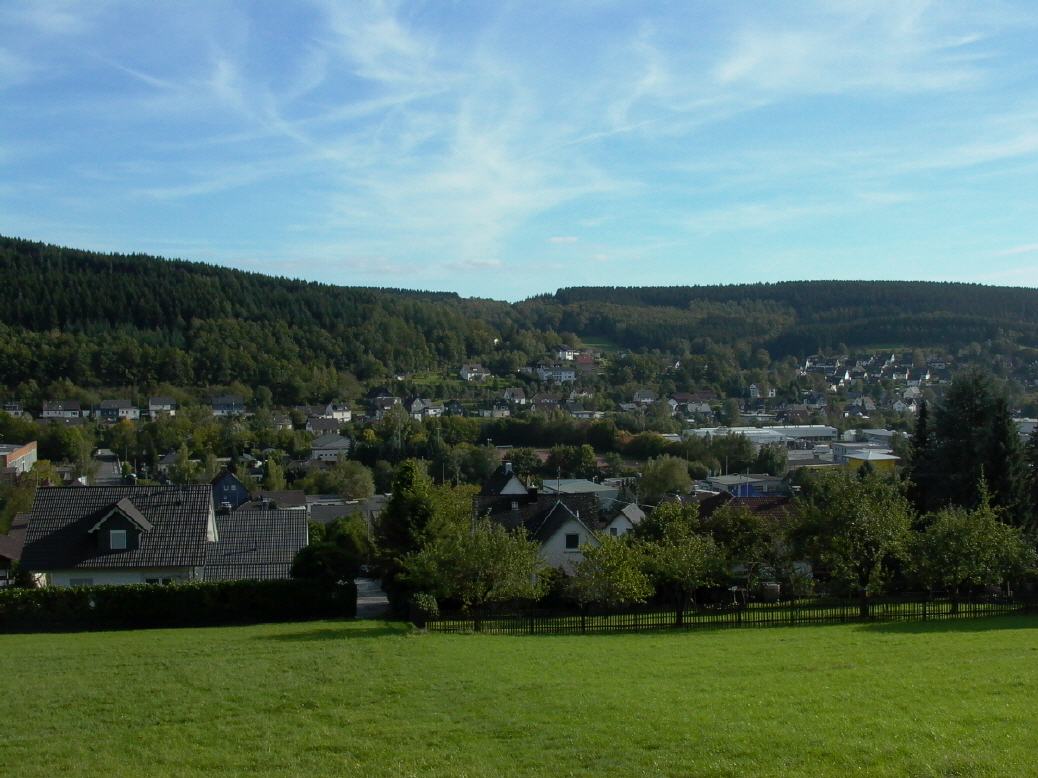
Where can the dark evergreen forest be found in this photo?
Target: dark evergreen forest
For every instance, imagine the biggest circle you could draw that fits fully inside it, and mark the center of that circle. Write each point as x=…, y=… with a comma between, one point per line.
x=116, y=320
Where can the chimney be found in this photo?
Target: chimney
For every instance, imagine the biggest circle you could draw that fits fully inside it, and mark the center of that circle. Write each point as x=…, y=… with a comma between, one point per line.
x=508, y=468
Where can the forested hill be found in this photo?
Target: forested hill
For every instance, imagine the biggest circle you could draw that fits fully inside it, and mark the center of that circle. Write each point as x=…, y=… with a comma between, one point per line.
x=798, y=317
x=110, y=320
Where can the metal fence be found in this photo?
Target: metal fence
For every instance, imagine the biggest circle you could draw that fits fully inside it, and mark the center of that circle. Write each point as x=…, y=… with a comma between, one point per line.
x=793, y=613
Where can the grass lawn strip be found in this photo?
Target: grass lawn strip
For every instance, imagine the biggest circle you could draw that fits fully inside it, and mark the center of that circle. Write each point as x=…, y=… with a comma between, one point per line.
x=363, y=698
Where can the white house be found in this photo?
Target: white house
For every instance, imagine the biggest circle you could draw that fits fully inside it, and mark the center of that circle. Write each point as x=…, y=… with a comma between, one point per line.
x=475, y=372
x=328, y=448
x=93, y=535
x=557, y=373
x=161, y=406
x=61, y=409
x=562, y=533
x=623, y=522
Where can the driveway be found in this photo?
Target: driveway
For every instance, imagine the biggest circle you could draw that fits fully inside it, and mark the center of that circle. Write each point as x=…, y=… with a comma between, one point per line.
x=372, y=602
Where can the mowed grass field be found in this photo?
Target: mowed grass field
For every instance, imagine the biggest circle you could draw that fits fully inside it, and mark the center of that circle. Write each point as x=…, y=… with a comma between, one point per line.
x=375, y=699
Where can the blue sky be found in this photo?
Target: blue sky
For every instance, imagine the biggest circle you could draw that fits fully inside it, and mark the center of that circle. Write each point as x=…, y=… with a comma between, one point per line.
x=506, y=149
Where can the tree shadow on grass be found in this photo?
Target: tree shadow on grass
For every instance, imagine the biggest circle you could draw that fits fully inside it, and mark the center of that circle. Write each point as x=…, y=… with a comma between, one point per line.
x=349, y=631
x=963, y=625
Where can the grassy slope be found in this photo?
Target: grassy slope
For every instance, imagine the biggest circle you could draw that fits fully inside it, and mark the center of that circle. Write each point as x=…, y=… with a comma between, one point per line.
x=368, y=699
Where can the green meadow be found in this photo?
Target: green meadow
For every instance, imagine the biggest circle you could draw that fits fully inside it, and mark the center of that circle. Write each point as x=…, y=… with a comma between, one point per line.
x=377, y=699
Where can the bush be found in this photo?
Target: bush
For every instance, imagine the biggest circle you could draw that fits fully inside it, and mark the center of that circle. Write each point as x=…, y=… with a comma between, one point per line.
x=423, y=608
x=327, y=563
x=174, y=605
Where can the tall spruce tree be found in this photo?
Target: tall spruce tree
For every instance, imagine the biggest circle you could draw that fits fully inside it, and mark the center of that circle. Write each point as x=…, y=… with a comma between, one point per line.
x=921, y=473
x=975, y=438
x=1031, y=458
x=961, y=425
x=1004, y=465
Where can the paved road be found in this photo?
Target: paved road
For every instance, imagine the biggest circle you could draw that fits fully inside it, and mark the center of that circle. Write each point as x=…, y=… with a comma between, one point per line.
x=371, y=600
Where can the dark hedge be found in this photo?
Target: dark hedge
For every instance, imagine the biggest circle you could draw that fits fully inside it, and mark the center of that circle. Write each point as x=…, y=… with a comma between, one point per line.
x=174, y=605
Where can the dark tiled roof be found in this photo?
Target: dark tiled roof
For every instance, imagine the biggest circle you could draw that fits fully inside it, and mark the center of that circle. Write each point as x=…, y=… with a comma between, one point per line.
x=286, y=498
x=534, y=510
x=11, y=544
x=321, y=424
x=550, y=523
x=255, y=545
x=498, y=481
x=331, y=441
x=777, y=506
x=114, y=405
x=61, y=405
x=59, y=536
x=366, y=509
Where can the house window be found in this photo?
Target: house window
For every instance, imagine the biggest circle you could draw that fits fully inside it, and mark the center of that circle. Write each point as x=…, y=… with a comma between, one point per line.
x=515, y=505
x=117, y=540
x=80, y=581
x=613, y=531
x=572, y=541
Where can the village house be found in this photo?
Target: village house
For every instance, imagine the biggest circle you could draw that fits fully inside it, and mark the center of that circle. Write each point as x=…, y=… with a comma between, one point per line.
x=255, y=545
x=11, y=545
x=514, y=395
x=644, y=397
x=61, y=409
x=17, y=458
x=229, y=491
x=161, y=406
x=14, y=408
x=473, y=372
x=565, y=354
x=558, y=374
x=383, y=404
x=561, y=523
x=86, y=536
x=426, y=409
x=228, y=405
x=319, y=425
x=329, y=448
x=117, y=410
x=498, y=410
x=748, y=485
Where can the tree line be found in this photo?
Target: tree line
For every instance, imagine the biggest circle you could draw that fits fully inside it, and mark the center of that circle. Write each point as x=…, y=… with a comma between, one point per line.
x=105, y=320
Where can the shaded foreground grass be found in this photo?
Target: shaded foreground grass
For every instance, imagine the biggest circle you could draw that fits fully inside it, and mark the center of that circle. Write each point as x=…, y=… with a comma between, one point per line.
x=373, y=699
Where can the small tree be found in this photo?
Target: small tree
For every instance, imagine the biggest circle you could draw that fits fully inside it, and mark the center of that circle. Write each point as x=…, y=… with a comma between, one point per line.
x=663, y=475
x=350, y=533
x=478, y=566
x=679, y=560
x=328, y=563
x=856, y=527
x=402, y=528
x=273, y=476
x=962, y=549
x=611, y=574
x=772, y=460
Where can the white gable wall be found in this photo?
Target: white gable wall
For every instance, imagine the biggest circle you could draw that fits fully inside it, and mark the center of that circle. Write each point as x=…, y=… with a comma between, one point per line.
x=116, y=576
x=554, y=551
x=621, y=524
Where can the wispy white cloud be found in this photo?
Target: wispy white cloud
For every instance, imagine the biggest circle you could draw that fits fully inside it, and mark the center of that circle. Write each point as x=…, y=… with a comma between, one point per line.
x=1026, y=248
x=441, y=141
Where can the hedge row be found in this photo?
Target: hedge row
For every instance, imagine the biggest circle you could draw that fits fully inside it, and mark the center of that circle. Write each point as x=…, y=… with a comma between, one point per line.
x=173, y=605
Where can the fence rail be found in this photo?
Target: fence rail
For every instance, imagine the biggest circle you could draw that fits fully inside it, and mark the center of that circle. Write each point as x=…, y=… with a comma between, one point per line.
x=800, y=612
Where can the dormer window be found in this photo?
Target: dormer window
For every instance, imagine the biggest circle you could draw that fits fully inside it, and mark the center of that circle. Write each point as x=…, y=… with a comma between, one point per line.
x=121, y=527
